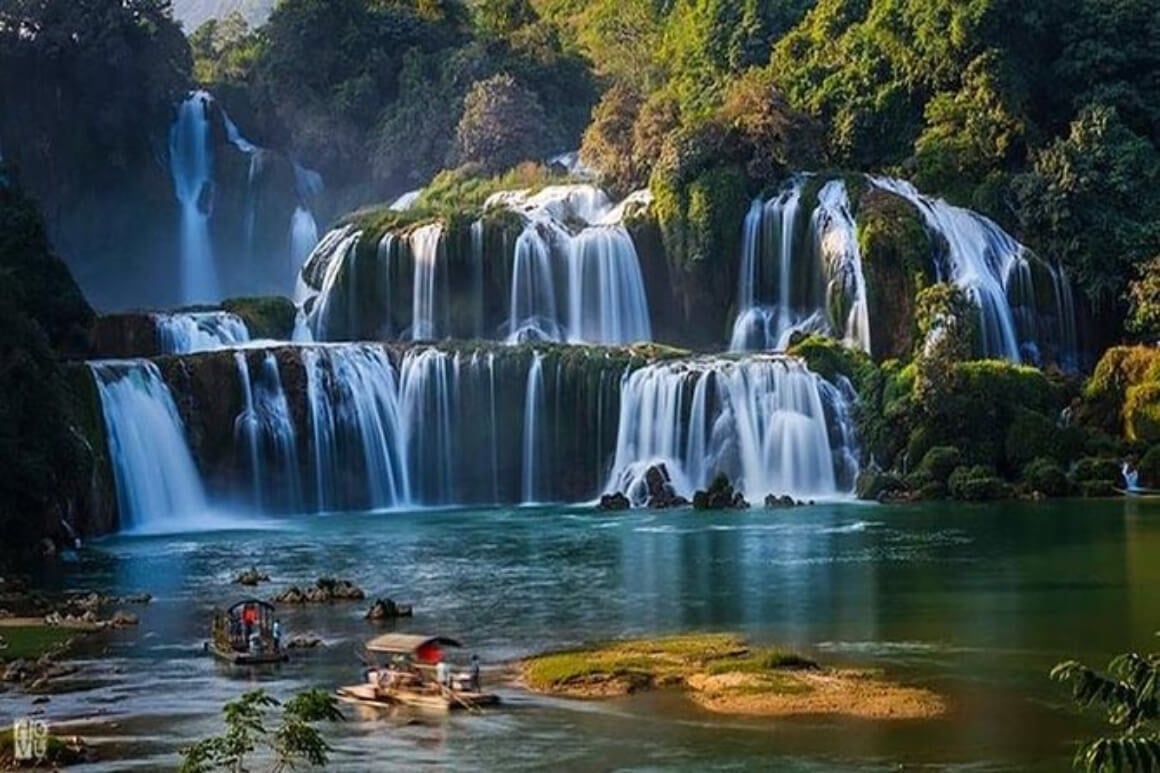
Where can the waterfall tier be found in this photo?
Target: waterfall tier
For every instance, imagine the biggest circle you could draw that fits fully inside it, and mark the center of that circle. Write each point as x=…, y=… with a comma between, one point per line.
x=189, y=332
x=321, y=428
x=561, y=258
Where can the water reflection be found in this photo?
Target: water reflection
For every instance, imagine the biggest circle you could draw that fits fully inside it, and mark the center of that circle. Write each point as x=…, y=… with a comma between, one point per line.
x=976, y=602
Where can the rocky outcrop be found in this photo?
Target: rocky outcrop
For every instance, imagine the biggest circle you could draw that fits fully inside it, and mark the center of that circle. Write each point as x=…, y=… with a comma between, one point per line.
x=614, y=502
x=251, y=577
x=659, y=485
x=386, y=609
x=325, y=590
x=719, y=496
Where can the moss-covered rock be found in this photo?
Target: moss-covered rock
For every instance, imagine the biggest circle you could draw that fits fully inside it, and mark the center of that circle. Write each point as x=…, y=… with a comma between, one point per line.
x=270, y=317
x=873, y=485
x=832, y=360
x=896, y=250
x=1045, y=476
x=1106, y=392
x=124, y=336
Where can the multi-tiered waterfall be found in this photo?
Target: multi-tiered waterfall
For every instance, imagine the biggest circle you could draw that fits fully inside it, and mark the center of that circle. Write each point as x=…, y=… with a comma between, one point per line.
x=801, y=271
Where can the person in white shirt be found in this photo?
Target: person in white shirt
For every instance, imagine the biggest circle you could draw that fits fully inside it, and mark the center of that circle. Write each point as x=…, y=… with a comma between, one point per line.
x=442, y=673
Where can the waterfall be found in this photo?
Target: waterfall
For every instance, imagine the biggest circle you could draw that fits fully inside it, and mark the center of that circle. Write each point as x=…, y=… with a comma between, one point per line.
x=574, y=234
x=837, y=244
x=765, y=321
x=533, y=415
x=768, y=423
x=303, y=236
x=425, y=243
x=265, y=429
x=191, y=166
x=406, y=201
x=358, y=452
x=533, y=291
x=235, y=138
x=981, y=258
x=477, y=277
x=1131, y=478
x=333, y=313
x=157, y=482
x=188, y=332
x=606, y=298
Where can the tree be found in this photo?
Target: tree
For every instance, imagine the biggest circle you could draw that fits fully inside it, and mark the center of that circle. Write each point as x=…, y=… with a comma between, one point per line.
x=500, y=18
x=503, y=123
x=1093, y=202
x=608, y=142
x=294, y=741
x=1144, y=301
x=1127, y=695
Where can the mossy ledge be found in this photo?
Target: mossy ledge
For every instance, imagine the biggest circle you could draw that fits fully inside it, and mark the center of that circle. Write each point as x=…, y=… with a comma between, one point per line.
x=724, y=674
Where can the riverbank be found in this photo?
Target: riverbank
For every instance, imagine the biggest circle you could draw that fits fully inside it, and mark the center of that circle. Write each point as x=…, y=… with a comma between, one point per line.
x=725, y=674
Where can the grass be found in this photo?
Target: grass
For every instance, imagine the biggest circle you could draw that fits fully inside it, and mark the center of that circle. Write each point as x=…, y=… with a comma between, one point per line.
x=659, y=661
x=32, y=641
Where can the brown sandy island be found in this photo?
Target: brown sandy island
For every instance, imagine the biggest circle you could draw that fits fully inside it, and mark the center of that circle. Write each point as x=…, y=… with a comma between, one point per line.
x=723, y=674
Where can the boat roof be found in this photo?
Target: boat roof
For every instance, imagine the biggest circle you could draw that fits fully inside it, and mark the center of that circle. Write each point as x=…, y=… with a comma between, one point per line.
x=252, y=602
x=407, y=643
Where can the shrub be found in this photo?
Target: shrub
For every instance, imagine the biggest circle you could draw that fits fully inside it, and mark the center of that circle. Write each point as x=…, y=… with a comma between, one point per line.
x=1095, y=469
x=1142, y=413
x=977, y=484
x=940, y=461
x=1031, y=436
x=1047, y=477
x=1149, y=468
x=503, y=123
x=872, y=484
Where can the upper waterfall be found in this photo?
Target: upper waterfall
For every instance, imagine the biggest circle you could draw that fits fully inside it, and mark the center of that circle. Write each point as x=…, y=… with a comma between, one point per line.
x=191, y=165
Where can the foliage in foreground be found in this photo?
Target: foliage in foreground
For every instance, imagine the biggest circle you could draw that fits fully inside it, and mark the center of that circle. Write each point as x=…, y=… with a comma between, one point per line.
x=1127, y=696
x=295, y=741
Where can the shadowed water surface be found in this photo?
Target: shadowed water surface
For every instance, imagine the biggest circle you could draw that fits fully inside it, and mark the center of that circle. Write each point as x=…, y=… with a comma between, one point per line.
x=976, y=603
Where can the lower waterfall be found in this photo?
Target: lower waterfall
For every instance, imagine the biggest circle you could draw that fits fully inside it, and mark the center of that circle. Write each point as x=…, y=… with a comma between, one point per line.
x=338, y=427
x=201, y=331
x=157, y=482
x=768, y=423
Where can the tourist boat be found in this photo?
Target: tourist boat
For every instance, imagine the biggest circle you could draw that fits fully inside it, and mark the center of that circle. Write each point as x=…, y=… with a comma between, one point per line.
x=243, y=635
x=402, y=670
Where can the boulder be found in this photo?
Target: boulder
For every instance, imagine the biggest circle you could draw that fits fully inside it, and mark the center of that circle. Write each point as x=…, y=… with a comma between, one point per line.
x=785, y=501
x=17, y=670
x=122, y=619
x=304, y=642
x=326, y=589
x=386, y=609
x=251, y=577
x=292, y=595
x=614, y=501
x=719, y=496
x=659, y=486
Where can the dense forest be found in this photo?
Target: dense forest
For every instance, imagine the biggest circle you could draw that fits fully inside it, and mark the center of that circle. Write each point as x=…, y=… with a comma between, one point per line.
x=1042, y=114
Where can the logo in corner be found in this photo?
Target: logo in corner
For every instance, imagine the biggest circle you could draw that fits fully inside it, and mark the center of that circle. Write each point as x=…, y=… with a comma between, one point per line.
x=29, y=739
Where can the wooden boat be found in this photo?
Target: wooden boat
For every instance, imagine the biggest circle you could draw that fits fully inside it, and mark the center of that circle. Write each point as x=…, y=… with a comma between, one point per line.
x=243, y=635
x=401, y=671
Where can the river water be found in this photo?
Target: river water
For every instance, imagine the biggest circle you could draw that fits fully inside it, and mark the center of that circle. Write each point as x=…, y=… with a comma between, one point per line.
x=974, y=602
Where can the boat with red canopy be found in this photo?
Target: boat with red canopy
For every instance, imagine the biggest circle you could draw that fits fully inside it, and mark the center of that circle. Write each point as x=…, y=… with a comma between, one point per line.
x=415, y=670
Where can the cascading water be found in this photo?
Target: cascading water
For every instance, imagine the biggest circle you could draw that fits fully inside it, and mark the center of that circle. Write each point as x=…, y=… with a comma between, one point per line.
x=533, y=295
x=188, y=332
x=768, y=423
x=986, y=262
x=303, y=236
x=333, y=309
x=425, y=243
x=789, y=285
x=606, y=298
x=265, y=429
x=837, y=244
x=533, y=416
x=158, y=485
x=191, y=166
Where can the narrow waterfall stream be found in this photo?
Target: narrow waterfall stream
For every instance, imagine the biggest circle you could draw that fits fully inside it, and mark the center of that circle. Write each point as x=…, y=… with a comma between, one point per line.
x=191, y=166
x=158, y=485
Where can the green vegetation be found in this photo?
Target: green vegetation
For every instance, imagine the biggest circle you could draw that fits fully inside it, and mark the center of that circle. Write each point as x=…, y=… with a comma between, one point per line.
x=44, y=454
x=295, y=741
x=1126, y=696
x=32, y=641
x=269, y=317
